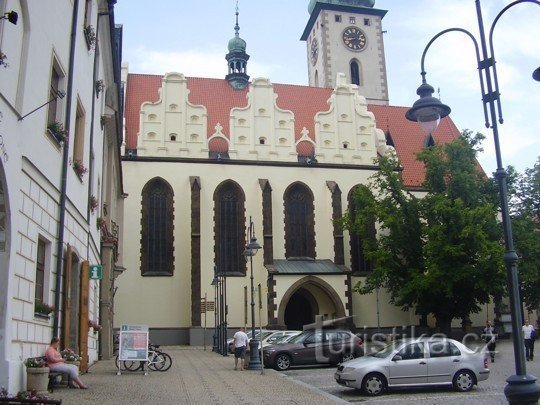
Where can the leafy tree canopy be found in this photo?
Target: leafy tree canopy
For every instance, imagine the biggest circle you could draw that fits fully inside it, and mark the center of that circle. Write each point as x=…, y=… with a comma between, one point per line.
x=438, y=252
x=524, y=192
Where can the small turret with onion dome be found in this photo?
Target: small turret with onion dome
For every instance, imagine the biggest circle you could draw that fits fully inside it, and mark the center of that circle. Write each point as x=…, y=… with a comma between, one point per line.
x=237, y=59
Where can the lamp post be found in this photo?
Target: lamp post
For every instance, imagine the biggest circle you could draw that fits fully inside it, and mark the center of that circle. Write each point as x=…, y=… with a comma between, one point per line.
x=215, y=346
x=428, y=110
x=225, y=351
x=251, y=250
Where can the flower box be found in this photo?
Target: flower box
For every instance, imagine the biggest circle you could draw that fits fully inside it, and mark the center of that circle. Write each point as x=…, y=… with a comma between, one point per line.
x=90, y=36
x=57, y=131
x=79, y=168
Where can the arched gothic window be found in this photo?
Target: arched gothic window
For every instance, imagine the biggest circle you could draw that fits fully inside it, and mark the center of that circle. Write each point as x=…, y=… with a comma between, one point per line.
x=360, y=264
x=157, y=236
x=299, y=222
x=230, y=237
x=355, y=73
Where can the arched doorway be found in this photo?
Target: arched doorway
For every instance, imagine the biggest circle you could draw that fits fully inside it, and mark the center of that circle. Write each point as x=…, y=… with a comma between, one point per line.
x=305, y=299
x=300, y=310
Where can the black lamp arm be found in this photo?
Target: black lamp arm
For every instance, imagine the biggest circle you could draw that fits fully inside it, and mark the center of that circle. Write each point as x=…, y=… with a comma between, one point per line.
x=491, y=50
x=477, y=51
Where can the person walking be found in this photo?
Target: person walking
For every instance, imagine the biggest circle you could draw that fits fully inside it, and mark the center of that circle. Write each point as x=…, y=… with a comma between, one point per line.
x=528, y=338
x=240, y=342
x=489, y=333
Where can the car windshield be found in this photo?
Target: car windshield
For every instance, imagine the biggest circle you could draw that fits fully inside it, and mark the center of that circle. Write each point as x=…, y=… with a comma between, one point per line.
x=384, y=352
x=299, y=338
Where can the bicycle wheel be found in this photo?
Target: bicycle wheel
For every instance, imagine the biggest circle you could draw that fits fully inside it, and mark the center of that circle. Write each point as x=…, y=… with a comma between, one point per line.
x=167, y=363
x=119, y=364
x=156, y=361
x=132, y=365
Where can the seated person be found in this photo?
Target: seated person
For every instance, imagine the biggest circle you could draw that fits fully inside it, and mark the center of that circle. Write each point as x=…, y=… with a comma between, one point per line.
x=55, y=362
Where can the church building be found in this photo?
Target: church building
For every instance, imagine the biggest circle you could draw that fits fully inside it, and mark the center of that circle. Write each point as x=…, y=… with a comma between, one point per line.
x=211, y=163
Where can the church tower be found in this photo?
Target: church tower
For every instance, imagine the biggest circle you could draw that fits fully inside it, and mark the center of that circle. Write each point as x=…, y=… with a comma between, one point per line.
x=237, y=59
x=345, y=36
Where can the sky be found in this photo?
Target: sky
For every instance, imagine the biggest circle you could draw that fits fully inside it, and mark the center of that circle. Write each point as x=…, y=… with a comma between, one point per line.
x=191, y=38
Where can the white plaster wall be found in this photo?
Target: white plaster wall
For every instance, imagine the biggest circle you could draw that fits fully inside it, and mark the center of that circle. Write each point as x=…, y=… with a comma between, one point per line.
x=31, y=164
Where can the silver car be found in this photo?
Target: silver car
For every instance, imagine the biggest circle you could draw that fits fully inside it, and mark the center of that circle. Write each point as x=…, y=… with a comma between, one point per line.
x=415, y=362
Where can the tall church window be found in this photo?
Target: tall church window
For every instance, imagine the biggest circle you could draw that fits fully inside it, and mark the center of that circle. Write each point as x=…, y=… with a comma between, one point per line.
x=157, y=237
x=316, y=78
x=360, y=264
x=299, y=222
x=355, y=73
x=230, y=237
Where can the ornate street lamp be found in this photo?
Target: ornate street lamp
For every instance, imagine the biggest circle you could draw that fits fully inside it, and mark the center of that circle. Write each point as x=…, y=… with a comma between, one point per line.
x=251, y=250
x=521, y=388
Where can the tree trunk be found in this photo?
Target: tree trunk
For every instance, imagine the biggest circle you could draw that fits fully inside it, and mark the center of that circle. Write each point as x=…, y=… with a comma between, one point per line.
x=443, y=325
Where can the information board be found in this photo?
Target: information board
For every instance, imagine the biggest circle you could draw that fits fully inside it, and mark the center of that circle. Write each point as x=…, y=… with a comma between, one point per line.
x=133, y=343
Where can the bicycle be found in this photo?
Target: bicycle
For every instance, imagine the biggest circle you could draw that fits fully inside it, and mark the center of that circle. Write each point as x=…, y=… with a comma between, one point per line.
x=156, y=361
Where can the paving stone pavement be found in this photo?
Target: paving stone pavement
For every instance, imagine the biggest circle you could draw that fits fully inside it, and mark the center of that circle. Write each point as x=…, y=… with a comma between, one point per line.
x=196, y=377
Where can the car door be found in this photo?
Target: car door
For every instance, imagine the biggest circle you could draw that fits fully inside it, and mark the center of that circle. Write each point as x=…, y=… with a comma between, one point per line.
x=332, y=347
x=309, y=350
x=444, y=359
x=408, y=365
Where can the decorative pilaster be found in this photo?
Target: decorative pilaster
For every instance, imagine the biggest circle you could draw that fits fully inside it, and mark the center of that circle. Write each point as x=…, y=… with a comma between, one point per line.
x=195, y=184
x=268, y=246
x=337, y=212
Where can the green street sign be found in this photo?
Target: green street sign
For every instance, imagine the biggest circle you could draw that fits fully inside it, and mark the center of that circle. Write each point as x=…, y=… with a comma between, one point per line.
x=96, y=272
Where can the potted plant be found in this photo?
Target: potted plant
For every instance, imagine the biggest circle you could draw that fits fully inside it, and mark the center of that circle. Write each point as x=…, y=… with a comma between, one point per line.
x=56, y=129
x=23, y=396
x=37, y=374
x=100, y=85
x=100, y=222
x=90, y=36
x=93, y=202
x=3, y=58
x=71, y=358
x=79, y=168
x=42, y=309
x=94, y=325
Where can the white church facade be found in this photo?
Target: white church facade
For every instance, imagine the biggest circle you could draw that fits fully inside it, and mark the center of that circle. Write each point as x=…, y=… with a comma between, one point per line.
x=208, y=160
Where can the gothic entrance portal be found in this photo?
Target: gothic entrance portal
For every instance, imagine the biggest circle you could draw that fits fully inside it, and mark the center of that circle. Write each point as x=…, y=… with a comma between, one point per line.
x=300, y=310
x=307, y=298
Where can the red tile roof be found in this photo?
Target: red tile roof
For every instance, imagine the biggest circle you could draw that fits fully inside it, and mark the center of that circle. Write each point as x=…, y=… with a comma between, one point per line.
x=219, y=98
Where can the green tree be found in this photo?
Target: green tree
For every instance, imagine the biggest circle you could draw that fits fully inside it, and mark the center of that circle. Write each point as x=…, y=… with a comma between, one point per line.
x=439, y=252
x=524, y=191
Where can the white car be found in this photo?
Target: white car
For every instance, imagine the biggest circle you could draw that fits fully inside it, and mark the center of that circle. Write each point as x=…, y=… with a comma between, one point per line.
x=415, y=362
x=279, y=336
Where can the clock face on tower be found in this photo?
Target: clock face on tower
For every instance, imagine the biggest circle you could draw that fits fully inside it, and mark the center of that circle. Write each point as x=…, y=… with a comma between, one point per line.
x=354, y=38
x=314, y=51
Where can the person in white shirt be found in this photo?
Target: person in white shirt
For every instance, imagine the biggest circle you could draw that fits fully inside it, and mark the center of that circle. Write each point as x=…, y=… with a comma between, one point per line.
x=528, y=337
x=240, y=342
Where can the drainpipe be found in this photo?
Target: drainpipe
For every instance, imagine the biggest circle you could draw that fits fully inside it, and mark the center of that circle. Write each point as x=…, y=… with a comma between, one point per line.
x=65, y=163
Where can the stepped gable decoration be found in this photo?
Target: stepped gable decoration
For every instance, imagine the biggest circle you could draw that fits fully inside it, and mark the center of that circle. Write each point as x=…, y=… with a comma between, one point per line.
x=192, y=107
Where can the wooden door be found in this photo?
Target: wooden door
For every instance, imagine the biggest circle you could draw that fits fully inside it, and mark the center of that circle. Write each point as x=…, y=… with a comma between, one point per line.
x=83, y=315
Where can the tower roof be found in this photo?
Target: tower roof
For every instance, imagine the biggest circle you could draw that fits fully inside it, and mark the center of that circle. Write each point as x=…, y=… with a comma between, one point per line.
x=350, y=3
x=345, y=6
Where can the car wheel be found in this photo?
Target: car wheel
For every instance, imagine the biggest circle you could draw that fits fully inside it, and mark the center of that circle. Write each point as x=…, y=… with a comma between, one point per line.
x=463, y=381
x=346, y=357
x=373, y=384
x=282, y=362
